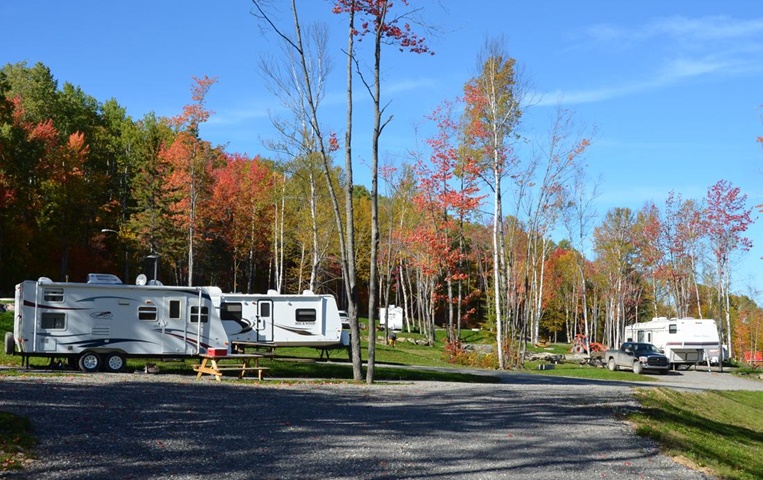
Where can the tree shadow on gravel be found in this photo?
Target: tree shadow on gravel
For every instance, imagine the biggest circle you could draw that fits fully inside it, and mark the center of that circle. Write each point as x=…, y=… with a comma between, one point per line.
x=135, y=429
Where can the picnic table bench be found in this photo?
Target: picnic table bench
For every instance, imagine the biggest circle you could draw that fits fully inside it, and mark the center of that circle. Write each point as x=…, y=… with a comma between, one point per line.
x=210, y=364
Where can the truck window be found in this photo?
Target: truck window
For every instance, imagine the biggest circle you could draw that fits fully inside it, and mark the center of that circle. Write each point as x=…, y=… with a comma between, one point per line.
x=195, y=314
x=53, y=295
x=147, y=313
x=53, y=321
x=672, y=328
x=306, y=315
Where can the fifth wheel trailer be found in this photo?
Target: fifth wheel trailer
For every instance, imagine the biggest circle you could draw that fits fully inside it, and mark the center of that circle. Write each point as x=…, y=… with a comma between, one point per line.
x=98, y=324
x=685, y=341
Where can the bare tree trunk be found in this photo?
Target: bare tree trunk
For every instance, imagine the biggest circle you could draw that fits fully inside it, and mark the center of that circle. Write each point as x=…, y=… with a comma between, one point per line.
x=314, y=218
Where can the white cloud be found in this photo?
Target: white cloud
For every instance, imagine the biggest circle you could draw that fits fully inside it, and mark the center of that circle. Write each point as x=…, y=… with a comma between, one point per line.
x=673, y=50
x=686, y=31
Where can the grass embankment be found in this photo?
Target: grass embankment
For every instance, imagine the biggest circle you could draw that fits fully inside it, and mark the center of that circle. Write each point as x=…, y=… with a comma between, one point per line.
x=16, y=441
x=720, y=432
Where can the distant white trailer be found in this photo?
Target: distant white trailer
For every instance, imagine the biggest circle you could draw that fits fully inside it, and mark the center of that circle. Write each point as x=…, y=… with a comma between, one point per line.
x=685, y=341
x=306, y=320
x=392, y=316
x=98, y=324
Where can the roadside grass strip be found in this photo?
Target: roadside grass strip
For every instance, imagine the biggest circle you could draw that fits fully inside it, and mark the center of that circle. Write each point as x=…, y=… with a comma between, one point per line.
x=720, y=432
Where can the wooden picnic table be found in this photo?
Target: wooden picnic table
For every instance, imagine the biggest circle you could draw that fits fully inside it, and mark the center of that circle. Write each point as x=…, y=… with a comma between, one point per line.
x=210, y=364
x=240, y=346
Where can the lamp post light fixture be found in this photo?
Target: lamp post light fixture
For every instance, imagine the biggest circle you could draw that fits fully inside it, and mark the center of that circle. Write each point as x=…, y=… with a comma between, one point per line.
x=155, y=258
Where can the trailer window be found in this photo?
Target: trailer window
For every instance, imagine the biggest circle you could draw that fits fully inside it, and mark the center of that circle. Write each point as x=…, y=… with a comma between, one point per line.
x=231, y=311
x=306, y=315
x=53, y=321
x=147, y=313
x=174, y=309
x=672, y=328
x=195, y=314
x=53, y=295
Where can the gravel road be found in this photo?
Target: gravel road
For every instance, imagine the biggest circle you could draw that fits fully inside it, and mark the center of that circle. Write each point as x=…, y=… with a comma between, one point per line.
x=137, y=426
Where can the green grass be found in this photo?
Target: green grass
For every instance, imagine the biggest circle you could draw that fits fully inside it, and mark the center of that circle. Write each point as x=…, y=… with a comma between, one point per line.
x=16, y=441
x=719, y=431
x=587, y=371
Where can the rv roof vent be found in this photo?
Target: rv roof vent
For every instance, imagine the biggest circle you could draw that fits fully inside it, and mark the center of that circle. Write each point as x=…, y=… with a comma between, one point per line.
x=272, y=292
x=44, y=280
x=307, y=292
x=103, y=279
x=155, y=282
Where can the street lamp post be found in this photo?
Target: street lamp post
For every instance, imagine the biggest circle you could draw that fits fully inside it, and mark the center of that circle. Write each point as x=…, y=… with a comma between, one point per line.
x=155, y=258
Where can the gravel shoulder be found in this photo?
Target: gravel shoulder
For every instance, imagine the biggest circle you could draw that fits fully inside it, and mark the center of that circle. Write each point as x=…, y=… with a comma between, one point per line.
x=136, y=426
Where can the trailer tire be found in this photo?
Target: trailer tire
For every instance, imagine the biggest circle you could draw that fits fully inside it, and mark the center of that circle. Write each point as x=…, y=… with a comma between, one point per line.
x=90, y=362
x=9, y=343
x=637, y=368
x=612, y=365
x=114, y=362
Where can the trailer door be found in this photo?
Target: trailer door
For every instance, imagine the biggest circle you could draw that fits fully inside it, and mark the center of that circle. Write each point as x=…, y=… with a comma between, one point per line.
x=174, y=326
x=264, y=325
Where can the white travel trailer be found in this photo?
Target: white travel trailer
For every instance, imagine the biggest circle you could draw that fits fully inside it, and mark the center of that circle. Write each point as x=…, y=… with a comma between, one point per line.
x=392, y=316
x=283, y=320
x=97, y=325
x=685, y=341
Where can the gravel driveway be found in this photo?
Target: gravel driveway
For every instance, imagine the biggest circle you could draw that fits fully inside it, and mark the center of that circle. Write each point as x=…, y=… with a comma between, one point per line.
x=136, y=426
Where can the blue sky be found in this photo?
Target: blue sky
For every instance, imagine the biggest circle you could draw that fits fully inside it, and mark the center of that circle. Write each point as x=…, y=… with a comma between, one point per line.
x=673, y=89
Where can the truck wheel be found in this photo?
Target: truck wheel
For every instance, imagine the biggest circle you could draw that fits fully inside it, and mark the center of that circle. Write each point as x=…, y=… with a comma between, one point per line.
x=9, y=343
x=611, y=364
x=637, y=368
x=90, y=362
x=115, y=362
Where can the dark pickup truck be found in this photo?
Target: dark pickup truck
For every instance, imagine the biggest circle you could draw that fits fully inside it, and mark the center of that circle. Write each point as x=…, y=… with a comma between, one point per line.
x=637, y=356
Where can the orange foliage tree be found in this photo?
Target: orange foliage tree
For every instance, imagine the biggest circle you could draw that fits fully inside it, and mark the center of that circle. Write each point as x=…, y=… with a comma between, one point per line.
x=240, y=212
x=191, y=162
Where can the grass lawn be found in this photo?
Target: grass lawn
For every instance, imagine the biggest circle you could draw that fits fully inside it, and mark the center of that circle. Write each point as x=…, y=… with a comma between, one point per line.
x=721, y=432
x=16, y=441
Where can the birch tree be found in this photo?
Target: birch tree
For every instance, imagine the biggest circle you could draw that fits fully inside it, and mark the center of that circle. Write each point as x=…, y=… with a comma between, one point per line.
x=493, y=110
x=726, y=218
x=385, y=28
x=325, y=143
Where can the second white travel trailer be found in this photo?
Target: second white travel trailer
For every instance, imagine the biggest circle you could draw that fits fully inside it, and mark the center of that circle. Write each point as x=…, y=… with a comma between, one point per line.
x=98, y=324
x=283, y=320
x=391, y=316
x=685, y=341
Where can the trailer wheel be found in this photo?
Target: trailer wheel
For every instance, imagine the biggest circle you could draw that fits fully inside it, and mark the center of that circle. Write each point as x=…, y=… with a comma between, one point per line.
x=89, y=362
x=9, y=343
x=115, y=362
x=637, y=368
x=612, y=365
